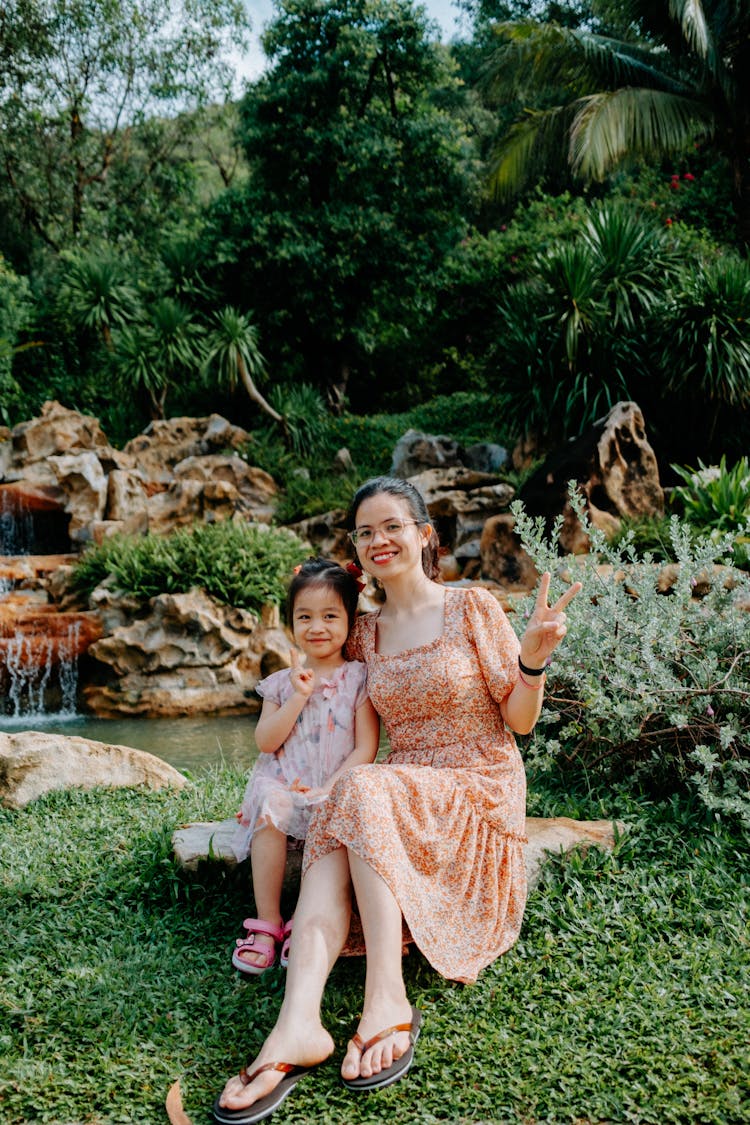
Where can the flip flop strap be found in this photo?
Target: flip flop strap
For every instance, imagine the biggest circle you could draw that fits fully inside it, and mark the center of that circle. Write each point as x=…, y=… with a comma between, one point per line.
x=361, y=1046
x=246, y=1078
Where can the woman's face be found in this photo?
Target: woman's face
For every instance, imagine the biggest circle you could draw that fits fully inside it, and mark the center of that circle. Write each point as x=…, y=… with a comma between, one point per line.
x=396, y=540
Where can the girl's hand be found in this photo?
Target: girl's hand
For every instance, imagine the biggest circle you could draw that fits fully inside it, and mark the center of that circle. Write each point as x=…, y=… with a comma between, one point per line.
x=301, y=679
x=546, y=627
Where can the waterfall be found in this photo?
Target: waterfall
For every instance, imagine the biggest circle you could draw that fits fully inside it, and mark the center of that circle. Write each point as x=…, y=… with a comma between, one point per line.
x=42, y=675
x=16, y=527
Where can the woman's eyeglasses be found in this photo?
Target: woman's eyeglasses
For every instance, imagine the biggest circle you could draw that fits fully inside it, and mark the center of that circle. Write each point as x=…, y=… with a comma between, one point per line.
x=392, y=529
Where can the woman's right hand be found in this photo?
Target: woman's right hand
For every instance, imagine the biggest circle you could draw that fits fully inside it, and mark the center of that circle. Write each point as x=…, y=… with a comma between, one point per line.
x=301, y=679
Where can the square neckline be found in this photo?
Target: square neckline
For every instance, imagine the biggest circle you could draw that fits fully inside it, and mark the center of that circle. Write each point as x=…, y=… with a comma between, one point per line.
x=413, y=648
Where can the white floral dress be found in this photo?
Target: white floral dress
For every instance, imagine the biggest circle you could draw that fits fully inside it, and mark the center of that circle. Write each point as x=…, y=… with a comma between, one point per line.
x=321, y=740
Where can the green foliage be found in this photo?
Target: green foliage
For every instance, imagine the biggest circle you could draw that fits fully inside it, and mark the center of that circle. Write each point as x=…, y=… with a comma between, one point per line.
x=567, y=350
x=116, y=977
x=675, y=71
x=716, y=500
x=650, y=686
x=706, y=331
x=305, y=417
x=243, y=565
x=360, y=181
x=94, y=99
x=15, y=316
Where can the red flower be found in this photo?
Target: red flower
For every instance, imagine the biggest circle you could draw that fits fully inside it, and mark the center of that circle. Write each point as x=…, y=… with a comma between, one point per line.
x=668, y=222
x=689, y=177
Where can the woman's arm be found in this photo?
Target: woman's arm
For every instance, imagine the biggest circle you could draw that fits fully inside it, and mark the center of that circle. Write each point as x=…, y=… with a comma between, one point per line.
x=545, y=630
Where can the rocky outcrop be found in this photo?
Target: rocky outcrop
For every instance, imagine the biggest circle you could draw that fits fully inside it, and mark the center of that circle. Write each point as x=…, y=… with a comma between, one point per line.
x=187, y=654
x=35, y=763
x=175, y=473
x=616, y=469
x=163, y=444
x=503, y=558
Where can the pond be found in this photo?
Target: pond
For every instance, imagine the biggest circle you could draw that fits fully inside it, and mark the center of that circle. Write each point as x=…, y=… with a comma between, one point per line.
x=188, y=744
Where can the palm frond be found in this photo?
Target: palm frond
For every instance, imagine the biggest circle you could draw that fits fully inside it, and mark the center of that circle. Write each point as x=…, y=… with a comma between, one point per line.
x=525, y=151
x=536, y=56
x=635, y=122
x=691, y=18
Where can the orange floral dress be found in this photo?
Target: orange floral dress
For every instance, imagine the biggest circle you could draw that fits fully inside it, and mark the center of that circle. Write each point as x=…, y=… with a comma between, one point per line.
x=442, y=819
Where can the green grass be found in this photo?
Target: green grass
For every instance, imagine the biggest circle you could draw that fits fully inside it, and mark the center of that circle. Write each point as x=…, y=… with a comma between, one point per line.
x=625, y=999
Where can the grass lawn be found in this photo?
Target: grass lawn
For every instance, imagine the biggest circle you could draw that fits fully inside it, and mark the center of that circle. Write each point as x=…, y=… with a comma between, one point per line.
x=626, y=999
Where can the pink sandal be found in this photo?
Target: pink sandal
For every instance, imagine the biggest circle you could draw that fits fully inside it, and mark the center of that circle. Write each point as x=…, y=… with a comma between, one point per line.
x=267, y=953
x=286, y=938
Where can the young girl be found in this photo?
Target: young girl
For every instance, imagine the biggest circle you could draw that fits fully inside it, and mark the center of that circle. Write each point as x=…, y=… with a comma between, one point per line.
x=317, y=721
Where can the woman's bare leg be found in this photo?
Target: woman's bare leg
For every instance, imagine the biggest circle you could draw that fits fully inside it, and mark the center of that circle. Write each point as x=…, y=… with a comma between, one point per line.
x=321, y=925
x=385, y=1001
x=268, y=862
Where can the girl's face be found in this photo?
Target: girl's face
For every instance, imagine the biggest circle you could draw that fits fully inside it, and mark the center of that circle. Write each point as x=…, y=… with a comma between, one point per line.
x=394, y=540
x=319, y=622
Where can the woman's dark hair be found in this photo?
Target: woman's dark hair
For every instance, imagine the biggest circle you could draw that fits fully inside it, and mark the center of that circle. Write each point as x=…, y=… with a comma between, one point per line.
x=403, y=490
x=324, y=572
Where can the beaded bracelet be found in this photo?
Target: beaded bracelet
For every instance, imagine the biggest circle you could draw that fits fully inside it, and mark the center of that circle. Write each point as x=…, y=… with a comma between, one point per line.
x=531, y=687
x=531, y=671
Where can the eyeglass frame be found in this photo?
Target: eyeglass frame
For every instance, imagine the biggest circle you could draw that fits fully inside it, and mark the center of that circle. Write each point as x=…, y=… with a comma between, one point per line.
x=355, y=535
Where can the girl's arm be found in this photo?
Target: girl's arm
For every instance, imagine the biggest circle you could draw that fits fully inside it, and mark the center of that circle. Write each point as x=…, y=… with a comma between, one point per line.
x=276, y=722
x=366, y=739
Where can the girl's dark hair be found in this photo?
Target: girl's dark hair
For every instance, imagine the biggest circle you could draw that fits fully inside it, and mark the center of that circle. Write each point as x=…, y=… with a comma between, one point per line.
x=324, y=572
x=405, y=491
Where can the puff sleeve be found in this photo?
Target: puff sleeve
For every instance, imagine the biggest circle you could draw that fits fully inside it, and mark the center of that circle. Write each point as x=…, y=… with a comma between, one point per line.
x=494, y=639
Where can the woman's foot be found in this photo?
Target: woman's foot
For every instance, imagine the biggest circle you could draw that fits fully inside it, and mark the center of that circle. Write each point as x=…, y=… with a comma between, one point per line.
x=306, y=1046
x=382, y=1054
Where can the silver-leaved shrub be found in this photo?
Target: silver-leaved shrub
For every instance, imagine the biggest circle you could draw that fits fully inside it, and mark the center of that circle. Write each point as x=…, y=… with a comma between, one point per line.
x=648, y=684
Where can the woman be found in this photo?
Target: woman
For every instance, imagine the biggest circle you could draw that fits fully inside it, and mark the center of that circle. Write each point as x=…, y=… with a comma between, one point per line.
x=434, y=835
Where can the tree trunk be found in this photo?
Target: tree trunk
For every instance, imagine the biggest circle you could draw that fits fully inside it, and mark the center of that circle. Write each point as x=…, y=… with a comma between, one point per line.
x=254, y=393
x=741, y=194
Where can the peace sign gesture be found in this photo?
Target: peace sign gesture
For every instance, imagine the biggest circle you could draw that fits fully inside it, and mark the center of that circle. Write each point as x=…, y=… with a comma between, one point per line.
x=546, y=627
x=301, y=679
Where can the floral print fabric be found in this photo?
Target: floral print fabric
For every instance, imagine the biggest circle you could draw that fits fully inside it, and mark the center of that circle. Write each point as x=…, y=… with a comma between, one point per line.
x=442, y=819
x=322, y=739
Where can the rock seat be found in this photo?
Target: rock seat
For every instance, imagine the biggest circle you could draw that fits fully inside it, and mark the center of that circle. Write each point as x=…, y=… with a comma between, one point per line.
x=194, y=844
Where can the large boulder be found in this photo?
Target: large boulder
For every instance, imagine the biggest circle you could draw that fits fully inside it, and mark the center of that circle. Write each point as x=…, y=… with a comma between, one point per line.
x=616, y=469
x=58, y=431
x=416, y=451
x=34, y=763
x=189, y=655
x=503, y=558
x=163, y=444
x=460, y=501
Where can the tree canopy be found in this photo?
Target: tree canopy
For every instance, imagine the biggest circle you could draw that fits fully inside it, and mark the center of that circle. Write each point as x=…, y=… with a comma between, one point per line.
x=360, y=182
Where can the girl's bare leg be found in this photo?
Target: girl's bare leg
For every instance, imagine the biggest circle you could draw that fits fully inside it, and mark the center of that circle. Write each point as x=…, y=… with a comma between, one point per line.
x=268, y=862
x=321, y=924
x=385, y=1001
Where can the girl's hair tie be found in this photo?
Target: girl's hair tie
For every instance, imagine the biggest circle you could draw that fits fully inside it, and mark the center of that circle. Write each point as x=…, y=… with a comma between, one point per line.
x=356, y=573
x=297, y=568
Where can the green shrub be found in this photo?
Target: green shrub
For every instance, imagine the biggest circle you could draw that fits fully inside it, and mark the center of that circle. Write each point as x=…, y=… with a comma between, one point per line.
x=244, y=565
x=716, y=500
x=645, y=685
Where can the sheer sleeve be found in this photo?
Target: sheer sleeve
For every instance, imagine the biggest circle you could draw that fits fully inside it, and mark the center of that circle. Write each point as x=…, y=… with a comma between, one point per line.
x=495, y=641
x=271, y=688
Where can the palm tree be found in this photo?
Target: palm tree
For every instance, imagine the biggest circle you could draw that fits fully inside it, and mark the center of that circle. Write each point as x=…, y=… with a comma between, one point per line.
x=96, y=294
x=232, y=348
x=682, y=73
x=151, y=355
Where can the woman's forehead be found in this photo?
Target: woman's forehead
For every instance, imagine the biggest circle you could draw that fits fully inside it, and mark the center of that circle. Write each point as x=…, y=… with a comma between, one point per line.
x=381, y=506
